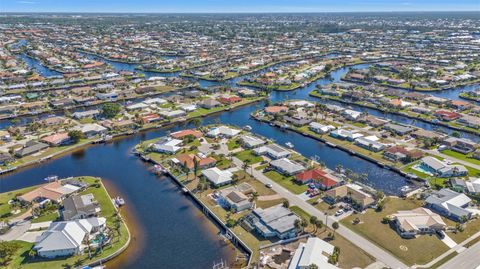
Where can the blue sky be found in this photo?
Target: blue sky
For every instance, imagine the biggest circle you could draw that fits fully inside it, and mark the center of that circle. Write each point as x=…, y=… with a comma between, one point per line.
x=181, y=6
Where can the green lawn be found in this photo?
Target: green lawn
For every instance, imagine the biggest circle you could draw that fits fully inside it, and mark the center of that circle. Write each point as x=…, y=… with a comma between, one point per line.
x=22, y=260
x=51, y=216
x=249, y=155
x=461, y=156
x=5, y=208
x=420, y=250
x=286, y=182
x=233, y=144
x=300, y=212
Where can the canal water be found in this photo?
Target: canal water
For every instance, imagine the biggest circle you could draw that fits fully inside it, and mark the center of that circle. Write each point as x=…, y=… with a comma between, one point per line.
x=173, y=231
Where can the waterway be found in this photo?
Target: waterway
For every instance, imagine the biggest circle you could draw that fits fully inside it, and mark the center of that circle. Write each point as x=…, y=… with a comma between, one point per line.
x=174, y=232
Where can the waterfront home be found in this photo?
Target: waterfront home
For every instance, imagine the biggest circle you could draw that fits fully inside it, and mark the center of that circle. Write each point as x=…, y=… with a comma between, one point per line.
x=167, y=145
x=67, y=238
x=343, y=134
x=188, y=161
x=250, y=141
x=470, y=121
x=273, y=151
x=57, y=139
x=91, y=129
x=287, y=167
x=450, y=204
x=234, y=199
x=5, y=158
x=322, y=179
x=410, y=223
x=351, y=114
x=53, y=191
x=398, y=153
x=461, y=145
x=320, y=128
x=223, y=131
x=301, y=103
x=30, y=148
x=434, y=166
x=398, y=129
x=447, y=115
x=80, y=207
x=110, y=96
x=352, y=193
x=275, y=109
x=297, y=120
x=172, y=113
x=86, y=114
x=425, y=134
x=209, y=103
x=276, y=221
x=217, y=177
x=188, y=132
x=229, y=100
x=369, y=142
x=314, y=252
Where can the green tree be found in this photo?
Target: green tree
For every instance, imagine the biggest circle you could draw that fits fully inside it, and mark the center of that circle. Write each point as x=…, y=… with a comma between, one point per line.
x=197, y=122
x=110, y=110
x=335, y=226
x=313, y=221
x=286, y=204
x=76, y=135
x=7, y=251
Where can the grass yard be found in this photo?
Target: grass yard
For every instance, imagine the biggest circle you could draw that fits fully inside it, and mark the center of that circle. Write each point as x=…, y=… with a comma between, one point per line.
x=460, y=156
x=51, y=216
x=420, y=250
x=5, y=208
x=233, y=144
x=249, y=155
x=286, y=182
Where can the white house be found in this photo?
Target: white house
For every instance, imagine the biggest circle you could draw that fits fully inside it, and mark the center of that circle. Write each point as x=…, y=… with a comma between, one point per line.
x=223, y=131
x=66, y=238
x=217, y=177
x=167, y=145
x=315, y=251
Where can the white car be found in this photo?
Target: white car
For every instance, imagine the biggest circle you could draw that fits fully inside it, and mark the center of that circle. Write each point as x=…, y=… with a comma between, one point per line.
x=268, y=185
x=338, y=213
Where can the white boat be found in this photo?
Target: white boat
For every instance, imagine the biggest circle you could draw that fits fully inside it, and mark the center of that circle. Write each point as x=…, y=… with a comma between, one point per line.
x=51, y=178
x=118, y=201
x=247, y=128
x=289, y=144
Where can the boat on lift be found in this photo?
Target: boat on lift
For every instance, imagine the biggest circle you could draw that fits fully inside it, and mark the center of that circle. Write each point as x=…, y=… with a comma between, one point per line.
x=289, y=145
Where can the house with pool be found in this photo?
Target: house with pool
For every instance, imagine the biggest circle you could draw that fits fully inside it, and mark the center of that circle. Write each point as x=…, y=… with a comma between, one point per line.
x=435, y=167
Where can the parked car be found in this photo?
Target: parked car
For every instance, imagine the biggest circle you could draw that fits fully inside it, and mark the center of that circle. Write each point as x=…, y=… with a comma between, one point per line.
x=338, y=213
x=268, y=185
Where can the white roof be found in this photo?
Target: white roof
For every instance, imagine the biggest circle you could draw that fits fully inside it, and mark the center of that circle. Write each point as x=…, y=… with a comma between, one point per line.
x=217, y=176
x=223, y=130
x=312, y=252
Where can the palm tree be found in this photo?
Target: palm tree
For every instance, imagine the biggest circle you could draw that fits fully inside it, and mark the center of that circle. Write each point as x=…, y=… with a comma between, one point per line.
x=335, y=226
x=318, y=225
x=313, y=221
x=195, y=167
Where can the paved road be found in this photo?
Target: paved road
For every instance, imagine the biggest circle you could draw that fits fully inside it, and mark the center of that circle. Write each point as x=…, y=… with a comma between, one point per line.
x=468, y=259
x=367, y=246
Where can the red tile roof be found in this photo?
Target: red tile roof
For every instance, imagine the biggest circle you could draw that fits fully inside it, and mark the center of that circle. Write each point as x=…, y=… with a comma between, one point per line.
x=275, y=109
x=317, y=175
x=183, y=133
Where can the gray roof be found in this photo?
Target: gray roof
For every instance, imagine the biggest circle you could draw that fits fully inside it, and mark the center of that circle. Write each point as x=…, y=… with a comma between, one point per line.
x=277, y=218
x=287, y=165
x=75, y=205
x=451, y=201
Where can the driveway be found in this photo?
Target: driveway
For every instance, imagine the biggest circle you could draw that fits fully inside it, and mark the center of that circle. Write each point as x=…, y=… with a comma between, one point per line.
x=30, y=236
x=448, y=241
x=16, y=231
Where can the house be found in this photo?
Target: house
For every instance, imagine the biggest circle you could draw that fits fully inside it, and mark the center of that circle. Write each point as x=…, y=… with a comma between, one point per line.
x=447, y=115
x=369, y=142
x=67, y=238
x=184, y=133
x=250, y=141
x=86, y=114
x=30, y=148
x=275, y=109
x=410, y=223
x=273, y=151
x=351, y=114
x=187, y=160
x=320, y=178
x=223, y=131
x=5, y=158
x=287, y=166
x=91, y=129
x=320, y=128
x=229, y=100
x=209, y=103
x=57, y=139
x=470, y=121
x=53, y=191
x=217, y=177
x=151, y=117
x=345, y=134
x=450, y=204
x=80, y=207
x=461, y=145
x=352, y=193
x=434, y=166
x=172, y=113
x=167, y=145
x=398, y=129
x=110, y=96
x=398, y=153
x=297, y=120
x=233, y=198
x=276, y=221
x=314, y=252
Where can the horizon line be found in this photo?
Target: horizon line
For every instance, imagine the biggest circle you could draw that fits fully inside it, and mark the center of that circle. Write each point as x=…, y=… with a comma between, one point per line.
x=236, y=12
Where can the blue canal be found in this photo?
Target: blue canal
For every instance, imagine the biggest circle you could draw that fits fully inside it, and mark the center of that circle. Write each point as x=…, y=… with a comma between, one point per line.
x=158, y=204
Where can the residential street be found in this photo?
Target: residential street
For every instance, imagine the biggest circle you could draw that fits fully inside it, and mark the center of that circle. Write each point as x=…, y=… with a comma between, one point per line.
x=356, y=239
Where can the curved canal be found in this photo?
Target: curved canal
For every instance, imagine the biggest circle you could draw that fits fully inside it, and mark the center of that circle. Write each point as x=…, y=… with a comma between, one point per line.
x=171, y=230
